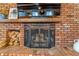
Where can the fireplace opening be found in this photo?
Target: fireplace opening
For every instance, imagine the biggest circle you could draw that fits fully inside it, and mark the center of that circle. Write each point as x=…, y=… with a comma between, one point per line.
x=39, y=36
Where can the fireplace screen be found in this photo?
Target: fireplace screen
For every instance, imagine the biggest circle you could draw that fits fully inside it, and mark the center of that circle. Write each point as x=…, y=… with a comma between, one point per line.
x=39, y=37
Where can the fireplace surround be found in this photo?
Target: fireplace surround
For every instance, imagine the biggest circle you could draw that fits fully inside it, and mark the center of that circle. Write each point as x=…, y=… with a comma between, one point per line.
x=39, y=35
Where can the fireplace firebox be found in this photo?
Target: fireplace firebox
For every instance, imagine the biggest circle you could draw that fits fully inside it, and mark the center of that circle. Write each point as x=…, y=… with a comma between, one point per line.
x=39, y=35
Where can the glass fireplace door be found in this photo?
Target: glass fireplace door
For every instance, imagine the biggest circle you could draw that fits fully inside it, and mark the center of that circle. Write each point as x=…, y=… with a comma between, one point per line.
x=38, y=37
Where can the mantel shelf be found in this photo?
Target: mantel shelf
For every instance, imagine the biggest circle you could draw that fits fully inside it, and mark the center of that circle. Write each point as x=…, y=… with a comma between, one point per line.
x=27, y=20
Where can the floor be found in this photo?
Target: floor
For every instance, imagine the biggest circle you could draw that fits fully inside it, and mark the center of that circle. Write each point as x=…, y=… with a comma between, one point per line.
x=23, y=51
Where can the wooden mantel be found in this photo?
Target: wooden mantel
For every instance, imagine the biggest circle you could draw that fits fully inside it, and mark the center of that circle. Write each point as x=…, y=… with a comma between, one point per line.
x=25, y=20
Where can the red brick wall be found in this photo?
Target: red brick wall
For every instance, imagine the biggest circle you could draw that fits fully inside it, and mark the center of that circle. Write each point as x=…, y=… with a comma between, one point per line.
x=67, y=29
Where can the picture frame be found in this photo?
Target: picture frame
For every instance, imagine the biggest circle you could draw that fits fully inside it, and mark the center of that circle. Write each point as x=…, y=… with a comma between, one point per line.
x=13, y=13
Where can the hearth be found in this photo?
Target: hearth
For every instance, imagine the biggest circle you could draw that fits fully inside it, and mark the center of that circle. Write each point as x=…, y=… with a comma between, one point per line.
x=39, y=35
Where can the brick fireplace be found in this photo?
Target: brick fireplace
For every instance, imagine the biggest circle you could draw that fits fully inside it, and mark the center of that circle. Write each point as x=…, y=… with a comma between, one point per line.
x=63, y=29
x=66, y=30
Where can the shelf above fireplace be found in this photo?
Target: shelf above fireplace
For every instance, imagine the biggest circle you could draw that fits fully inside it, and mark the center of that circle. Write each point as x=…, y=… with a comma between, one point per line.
x=30, y=20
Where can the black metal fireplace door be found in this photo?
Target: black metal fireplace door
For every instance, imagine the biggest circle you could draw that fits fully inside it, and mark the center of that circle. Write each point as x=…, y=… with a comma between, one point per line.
x=39, y=37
